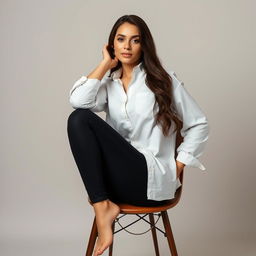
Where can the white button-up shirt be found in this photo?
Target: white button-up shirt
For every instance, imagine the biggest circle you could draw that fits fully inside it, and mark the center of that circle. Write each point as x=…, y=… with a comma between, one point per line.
x=132, y=115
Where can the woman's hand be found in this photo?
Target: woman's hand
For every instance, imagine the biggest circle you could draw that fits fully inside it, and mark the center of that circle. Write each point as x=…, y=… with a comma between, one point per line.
x=111, y=63
x=179, y=168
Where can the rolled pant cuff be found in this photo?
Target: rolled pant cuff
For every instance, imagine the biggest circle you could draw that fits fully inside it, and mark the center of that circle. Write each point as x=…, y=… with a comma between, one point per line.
x=98, y=199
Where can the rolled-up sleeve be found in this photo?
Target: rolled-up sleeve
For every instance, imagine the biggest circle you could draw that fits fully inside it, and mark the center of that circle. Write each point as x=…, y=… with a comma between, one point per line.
x=89, y=93
x=195, y=128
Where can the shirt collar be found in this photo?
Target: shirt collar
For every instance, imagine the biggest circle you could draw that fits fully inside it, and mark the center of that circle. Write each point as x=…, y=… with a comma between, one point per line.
x=117, y=73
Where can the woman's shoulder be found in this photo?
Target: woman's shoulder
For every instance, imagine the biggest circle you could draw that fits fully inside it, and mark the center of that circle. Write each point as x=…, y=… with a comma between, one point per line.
x=176, y=81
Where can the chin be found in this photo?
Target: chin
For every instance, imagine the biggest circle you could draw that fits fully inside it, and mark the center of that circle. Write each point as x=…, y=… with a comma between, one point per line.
x=127, y=61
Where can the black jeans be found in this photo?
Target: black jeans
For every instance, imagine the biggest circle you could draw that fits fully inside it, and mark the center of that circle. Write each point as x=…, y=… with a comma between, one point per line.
x=110, y=167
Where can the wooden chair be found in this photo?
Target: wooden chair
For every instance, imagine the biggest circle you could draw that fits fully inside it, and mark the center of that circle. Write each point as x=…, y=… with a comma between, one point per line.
x=147, y=211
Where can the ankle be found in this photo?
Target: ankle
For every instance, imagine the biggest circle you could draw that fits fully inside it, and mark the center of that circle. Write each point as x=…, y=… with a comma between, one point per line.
x=113, y=204
x=101, y=205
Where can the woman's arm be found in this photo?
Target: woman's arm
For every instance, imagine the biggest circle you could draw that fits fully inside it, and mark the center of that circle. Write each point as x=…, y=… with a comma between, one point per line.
x=99, y=71
x=90, y=91
x=195, y=128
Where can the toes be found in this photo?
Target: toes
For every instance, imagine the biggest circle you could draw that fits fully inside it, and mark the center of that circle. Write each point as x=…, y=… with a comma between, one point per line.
x=98, y=251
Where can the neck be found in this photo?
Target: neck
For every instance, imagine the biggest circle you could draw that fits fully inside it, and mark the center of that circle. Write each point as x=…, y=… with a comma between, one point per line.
x=127, y=70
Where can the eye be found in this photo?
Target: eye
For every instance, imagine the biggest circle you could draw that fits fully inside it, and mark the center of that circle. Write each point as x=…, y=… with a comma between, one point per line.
x=121, y=39
x=137, y=40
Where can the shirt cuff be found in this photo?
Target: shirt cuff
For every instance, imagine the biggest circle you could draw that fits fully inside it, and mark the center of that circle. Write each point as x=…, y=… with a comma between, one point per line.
x=189, y=160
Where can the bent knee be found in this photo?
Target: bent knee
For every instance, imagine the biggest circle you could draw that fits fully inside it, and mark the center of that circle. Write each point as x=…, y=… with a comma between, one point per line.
x=78, y=115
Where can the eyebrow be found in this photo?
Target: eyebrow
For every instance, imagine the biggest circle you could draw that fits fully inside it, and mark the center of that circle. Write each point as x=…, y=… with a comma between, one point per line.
x=131, y=36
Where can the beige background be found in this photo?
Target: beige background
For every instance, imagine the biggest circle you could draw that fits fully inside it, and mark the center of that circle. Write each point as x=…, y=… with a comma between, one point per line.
x=47, y=45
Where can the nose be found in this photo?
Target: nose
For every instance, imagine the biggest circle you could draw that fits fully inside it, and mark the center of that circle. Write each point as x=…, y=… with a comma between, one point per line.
x=127, y=45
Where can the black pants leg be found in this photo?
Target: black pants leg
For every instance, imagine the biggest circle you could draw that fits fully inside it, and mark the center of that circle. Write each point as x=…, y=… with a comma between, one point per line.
x=109, y=166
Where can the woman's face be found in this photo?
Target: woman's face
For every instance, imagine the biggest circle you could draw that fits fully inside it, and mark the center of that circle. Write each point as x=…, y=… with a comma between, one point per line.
x=127, y=40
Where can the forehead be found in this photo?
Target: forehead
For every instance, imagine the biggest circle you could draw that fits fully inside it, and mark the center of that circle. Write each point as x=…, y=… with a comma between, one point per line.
x=128, y=30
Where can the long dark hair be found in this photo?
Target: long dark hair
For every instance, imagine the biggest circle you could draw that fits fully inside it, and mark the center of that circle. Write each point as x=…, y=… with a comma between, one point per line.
x=157, y=79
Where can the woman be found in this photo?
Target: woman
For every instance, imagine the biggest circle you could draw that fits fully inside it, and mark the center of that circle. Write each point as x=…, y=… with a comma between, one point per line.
x=129, y=157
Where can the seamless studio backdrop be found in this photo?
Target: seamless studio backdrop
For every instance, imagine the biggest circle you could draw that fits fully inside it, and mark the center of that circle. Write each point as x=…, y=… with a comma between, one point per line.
x=47, y=45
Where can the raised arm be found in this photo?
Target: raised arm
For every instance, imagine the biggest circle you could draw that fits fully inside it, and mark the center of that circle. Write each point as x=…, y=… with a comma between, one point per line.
x=90, y=91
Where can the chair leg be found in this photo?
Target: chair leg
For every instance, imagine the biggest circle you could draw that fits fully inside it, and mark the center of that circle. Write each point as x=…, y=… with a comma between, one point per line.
x=110, y=251
x=92, y=239
x=168, y=230
x=153, y=230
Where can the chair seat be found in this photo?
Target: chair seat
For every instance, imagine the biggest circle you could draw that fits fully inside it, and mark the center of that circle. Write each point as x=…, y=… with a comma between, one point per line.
x=133, y=209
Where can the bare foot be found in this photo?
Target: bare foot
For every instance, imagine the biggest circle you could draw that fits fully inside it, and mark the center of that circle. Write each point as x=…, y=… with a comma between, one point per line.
x=105, y=211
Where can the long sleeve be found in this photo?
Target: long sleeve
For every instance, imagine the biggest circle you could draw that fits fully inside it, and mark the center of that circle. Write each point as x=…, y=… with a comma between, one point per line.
x=195, y=128
x=89, y=93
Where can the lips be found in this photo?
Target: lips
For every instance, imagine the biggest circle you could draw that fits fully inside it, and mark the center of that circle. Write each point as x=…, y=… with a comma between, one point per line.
x=127, y=54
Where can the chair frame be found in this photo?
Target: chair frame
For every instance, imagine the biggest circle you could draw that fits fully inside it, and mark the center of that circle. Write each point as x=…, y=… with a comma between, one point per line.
x=127, y=209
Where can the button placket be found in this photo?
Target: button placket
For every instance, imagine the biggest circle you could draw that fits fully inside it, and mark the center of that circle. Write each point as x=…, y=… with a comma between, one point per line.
x=125, y=96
